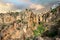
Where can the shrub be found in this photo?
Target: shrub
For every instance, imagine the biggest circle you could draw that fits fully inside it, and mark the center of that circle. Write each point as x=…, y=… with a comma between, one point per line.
x=53, y=10
x=40, y=29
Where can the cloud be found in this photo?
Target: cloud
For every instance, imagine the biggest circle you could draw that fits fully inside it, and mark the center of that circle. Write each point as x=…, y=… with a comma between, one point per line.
x=36, y=6
x=6, y=7
x=24, y=0
x=32, y=5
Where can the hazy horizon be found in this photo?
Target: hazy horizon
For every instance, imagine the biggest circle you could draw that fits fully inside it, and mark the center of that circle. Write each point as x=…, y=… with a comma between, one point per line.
x=9, y=5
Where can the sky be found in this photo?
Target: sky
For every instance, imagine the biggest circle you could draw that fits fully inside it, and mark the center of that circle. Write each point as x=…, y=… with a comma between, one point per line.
x=10, y=5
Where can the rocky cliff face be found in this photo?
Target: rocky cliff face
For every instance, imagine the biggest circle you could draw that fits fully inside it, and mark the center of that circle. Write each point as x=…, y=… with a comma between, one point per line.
x=20, y=26
x=17, y=25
